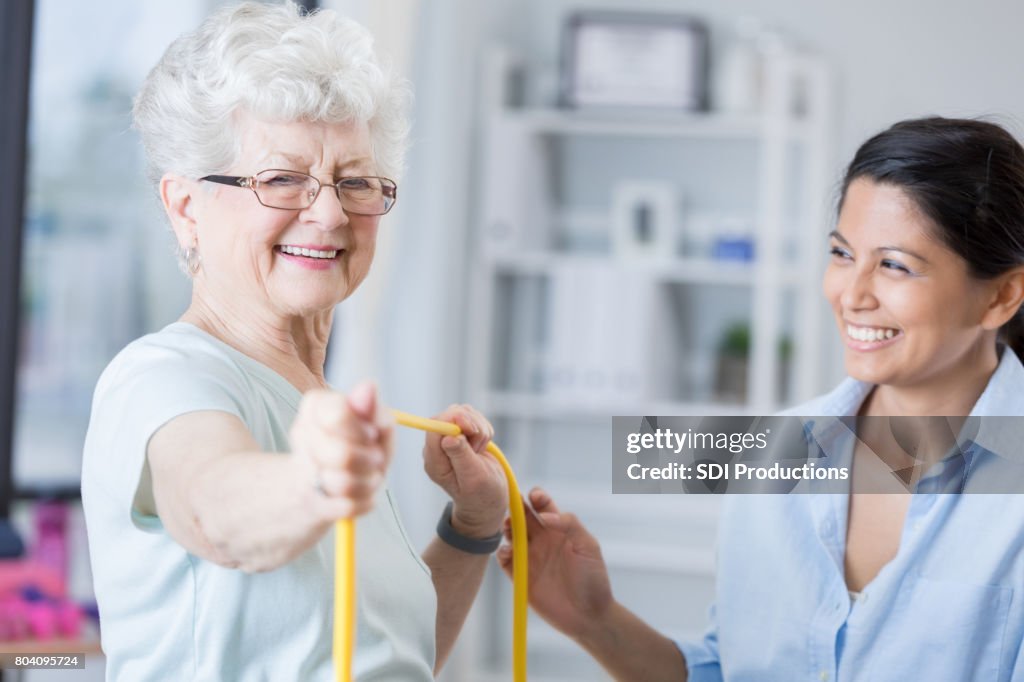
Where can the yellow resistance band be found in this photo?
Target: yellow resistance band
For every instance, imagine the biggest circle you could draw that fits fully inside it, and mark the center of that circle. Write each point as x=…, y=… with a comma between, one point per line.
x=345, y=565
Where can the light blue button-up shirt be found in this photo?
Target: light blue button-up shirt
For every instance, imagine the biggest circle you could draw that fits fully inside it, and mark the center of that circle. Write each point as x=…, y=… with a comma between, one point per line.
x=948, y=607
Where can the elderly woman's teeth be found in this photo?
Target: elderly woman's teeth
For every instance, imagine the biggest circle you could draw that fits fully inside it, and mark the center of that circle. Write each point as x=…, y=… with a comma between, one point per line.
x=309, y=253
x=870, y=333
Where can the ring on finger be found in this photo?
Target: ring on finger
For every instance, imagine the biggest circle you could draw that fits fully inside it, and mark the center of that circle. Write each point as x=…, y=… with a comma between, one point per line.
x=318, y=484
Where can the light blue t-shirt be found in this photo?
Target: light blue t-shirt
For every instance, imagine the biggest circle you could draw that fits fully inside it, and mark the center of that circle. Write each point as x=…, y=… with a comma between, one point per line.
x=166, y=614
x=949, y=607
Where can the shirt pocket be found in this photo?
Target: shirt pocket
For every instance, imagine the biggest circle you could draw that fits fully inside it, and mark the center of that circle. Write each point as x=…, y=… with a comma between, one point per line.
x=948, y=630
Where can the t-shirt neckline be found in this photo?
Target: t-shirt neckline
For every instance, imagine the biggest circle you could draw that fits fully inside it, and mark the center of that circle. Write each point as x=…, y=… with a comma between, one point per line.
x=273, y=378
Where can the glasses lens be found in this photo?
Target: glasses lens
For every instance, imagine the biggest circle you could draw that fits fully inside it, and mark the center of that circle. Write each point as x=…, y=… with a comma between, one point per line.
x=367, y=196
x=285, y=189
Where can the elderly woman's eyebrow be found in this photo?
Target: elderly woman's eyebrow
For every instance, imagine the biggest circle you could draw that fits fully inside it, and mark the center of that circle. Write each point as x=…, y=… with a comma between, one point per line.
x=298, y=162
x=294, y=160
x=362, y=162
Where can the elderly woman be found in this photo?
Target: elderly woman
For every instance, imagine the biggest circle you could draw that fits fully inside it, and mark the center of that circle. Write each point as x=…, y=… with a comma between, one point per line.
x=217, y=458
x=926, y=282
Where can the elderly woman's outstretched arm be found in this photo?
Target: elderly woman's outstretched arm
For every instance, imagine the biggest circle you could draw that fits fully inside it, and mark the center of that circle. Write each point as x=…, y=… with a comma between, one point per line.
x=224, y=500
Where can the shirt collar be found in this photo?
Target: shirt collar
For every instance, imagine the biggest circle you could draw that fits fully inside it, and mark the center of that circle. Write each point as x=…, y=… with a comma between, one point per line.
x=1003, y=396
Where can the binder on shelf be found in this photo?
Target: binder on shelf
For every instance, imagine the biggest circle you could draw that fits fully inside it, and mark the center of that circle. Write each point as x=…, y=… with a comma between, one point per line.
x=596, y=353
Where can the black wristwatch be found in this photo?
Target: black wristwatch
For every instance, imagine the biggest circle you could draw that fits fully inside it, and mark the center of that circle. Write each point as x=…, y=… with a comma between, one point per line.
x=461, y=542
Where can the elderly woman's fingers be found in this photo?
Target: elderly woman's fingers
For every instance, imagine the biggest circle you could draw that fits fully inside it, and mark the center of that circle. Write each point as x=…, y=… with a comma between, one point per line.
x=479, y=431
x=359, y=460
x=386, y=434
x=457, y=415
x=474, y=426
x=357, y=487
x=345, y=443
x=330, y=507
x=362, y=399
x=335, y=413
x=457, y=454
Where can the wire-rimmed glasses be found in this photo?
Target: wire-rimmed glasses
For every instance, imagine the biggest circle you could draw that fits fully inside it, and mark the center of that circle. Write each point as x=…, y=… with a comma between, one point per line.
x=292, y=190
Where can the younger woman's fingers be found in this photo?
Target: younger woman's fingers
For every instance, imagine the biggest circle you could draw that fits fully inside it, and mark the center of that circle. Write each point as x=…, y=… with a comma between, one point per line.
x=541, y=501
x=504, y=557
x=552, y=521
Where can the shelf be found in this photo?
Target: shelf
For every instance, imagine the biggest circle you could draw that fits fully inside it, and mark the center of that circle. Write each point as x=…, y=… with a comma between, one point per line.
x=644, y=123
x=539, y=406
x=672, y=271
x=85, y=646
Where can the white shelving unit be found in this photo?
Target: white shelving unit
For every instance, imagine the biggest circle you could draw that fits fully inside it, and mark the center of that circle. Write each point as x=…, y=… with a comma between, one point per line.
x=560, y=438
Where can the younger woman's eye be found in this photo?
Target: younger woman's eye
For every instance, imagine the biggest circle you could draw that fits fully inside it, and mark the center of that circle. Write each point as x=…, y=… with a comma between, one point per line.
x=895, y=265
x=839, y=252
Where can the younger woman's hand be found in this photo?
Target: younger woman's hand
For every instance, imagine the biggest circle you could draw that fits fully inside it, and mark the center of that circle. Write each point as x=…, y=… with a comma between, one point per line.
x=569, y=585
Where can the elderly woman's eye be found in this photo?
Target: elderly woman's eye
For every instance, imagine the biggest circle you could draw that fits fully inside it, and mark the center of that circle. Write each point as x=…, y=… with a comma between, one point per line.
x=283, y=180
x=355, y=183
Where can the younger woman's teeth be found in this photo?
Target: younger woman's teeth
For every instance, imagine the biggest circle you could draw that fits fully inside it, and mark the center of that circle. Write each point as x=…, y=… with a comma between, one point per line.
x=309, y=253
x=870, y=333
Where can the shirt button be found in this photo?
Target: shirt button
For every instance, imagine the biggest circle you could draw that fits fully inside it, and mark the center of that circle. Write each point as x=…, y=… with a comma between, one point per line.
x=863, y=598
x=823, y=675
x=838, y=606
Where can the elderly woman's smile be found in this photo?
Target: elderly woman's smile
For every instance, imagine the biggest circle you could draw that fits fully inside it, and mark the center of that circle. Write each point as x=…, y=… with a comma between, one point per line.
x=313, y=256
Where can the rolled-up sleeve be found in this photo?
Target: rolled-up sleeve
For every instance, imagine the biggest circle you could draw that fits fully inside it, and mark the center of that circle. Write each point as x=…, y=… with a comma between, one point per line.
x=702, y=662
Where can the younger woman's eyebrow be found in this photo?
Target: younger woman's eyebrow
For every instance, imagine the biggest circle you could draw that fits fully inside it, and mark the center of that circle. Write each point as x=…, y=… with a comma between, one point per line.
x=835, y=234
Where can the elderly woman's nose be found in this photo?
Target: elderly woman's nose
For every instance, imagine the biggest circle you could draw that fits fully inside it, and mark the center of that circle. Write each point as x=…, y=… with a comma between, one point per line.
x=327, y=210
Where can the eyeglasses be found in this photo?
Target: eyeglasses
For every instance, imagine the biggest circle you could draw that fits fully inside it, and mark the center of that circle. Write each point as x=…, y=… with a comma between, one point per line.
x=292, y=190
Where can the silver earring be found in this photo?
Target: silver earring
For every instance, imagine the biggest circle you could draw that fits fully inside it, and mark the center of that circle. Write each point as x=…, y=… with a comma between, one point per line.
x=192, y=260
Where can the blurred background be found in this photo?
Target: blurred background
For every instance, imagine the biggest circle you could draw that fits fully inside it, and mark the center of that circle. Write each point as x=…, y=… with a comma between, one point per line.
x=610, y=208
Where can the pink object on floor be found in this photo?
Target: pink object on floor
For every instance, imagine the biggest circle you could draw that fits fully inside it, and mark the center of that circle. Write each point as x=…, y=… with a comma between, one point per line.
x=42, y=620
x=51, y=546
x=15, y=574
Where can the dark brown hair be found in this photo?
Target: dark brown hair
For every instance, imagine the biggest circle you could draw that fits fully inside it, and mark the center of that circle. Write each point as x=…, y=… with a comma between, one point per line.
x=967, y=177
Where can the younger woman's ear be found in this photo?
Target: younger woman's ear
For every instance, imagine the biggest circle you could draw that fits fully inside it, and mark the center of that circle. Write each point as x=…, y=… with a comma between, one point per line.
x=176, y=193
x=1007, y=299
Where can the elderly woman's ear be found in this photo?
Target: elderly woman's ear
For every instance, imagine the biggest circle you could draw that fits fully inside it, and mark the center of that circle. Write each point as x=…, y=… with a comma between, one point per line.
x=177, y=192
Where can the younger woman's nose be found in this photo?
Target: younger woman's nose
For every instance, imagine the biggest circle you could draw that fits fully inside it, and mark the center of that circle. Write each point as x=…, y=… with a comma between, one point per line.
x=858, y=292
